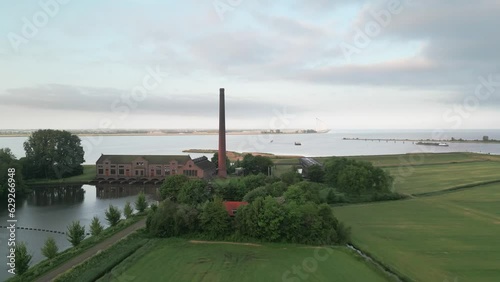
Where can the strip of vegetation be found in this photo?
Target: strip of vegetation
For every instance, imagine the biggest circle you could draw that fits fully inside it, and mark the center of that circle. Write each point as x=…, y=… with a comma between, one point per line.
x=456, y=188
x=377, y=264
x=95, y=267
x=87, y=176
x=123, y=266
x=47, y=265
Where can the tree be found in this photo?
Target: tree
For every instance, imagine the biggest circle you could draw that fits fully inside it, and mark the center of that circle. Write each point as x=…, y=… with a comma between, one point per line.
x=193, y=192
x=256, y=164
x=76, y=233
x=215, y=160
x=172, y=185
x=10, y=166
x=315, y=173
x=271, y=219
x=113, y=215
x=214, y=219
x=128, y=210
x=50, y=249
x=53, y=154
x=291, y=177
x=95, y=226
x=23, y=258
x=141, y=204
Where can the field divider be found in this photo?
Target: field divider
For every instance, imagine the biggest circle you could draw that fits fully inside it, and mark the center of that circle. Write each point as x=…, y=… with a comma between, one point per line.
x=456, y=188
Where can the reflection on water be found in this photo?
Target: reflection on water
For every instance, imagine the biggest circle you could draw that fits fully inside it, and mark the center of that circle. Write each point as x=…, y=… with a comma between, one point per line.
x=55, y=207
x=56, y=195
x=113, y=191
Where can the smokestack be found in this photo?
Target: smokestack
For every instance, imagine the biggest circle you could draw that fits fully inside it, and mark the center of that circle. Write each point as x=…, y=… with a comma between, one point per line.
x=222, y=136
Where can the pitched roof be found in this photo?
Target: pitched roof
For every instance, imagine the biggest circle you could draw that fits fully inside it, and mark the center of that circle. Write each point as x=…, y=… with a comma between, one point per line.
x=152, y=159
x=204, y=163
x=232, y=206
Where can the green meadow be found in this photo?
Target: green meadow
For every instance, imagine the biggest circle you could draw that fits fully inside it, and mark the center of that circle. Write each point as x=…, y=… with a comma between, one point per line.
x=181, y=260
x=449, y=237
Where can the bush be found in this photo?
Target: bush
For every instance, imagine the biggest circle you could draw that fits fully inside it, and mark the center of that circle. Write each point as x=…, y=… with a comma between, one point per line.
x=23, y=259
x=141, y=204
x=76, y=233
x=128, y=210
x=50, y=249
x=214, y=219
x=172, y=219
x=96, y=226
x=113, y=215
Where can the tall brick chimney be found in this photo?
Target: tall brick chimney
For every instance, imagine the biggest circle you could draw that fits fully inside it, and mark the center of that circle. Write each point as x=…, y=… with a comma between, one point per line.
x=222, y=172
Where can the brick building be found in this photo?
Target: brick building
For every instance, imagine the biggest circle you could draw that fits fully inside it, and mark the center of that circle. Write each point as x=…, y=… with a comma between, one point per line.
x=152, y=167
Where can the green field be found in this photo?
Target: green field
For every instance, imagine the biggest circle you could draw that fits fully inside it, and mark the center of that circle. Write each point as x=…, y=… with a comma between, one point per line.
x=180, y=260
x=88, y=175
x=430, y=178
x=450, y=237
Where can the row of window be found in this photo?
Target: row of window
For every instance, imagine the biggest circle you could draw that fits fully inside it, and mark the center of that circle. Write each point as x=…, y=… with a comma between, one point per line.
x=191, y=172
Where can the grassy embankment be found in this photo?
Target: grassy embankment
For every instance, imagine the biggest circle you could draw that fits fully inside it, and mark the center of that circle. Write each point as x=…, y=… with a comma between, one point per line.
x=45, y=266
x=87, y=176
x=444, y=233
x=448, y=237
x=182, y=260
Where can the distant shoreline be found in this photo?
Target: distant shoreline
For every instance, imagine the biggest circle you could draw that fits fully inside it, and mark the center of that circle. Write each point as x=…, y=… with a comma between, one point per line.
x=492, y=141
x=187, y=133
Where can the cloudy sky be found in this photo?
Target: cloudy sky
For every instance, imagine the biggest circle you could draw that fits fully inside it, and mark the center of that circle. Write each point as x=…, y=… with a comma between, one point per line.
x=402, y=64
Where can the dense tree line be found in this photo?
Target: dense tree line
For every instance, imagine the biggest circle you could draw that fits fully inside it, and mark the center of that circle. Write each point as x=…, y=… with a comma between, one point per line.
x=8, y=161
x=276, y=212
x=52, y=154
x=356, y=177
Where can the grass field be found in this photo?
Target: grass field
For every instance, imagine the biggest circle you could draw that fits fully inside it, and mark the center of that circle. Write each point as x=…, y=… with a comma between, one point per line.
x=180, y=260
x=450, y=237
x=88, y=175
x=436, y=177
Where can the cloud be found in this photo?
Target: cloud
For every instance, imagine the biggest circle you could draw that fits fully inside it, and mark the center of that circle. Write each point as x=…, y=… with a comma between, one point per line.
x=76, y=99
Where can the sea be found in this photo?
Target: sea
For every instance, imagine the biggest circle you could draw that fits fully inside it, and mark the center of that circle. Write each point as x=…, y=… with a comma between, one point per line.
x=311, y=145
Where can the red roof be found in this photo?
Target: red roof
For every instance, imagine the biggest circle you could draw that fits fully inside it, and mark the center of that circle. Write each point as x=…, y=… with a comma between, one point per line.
x=231, y=207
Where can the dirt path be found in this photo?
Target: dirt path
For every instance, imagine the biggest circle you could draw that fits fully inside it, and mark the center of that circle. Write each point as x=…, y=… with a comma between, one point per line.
x=228, y=243
x=92, y=251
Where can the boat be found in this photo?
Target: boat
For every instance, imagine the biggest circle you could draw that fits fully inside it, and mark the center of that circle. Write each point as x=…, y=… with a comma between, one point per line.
x=321, y=126
x=433, y=144
x=298, y=144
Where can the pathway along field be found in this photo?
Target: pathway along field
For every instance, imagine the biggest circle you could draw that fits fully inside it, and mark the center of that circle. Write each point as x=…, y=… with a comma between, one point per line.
x=180, y=260
x=92, y=251
x=439, y=238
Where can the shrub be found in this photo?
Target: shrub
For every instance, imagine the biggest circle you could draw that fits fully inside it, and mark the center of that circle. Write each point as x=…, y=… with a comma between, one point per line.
x=23, y=259
x=50, y=249
x=141, y=204
x=128, y=210
x=96, y=226
x=76, y=233
x=113, y=215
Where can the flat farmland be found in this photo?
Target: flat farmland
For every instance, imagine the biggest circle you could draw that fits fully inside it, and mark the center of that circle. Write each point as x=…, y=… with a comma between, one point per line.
x=181, y=260
x=437, y=177
x=450, y=237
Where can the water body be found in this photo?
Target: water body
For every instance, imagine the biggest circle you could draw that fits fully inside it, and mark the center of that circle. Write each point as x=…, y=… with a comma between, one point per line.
x=54, y=208
x=329, y=144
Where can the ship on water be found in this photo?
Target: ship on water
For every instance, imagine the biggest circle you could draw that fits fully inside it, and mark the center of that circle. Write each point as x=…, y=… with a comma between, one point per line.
x=321, y=126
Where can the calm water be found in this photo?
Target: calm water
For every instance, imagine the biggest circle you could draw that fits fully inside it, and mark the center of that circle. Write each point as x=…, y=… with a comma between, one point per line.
x=329, y=144
x=54, y=208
